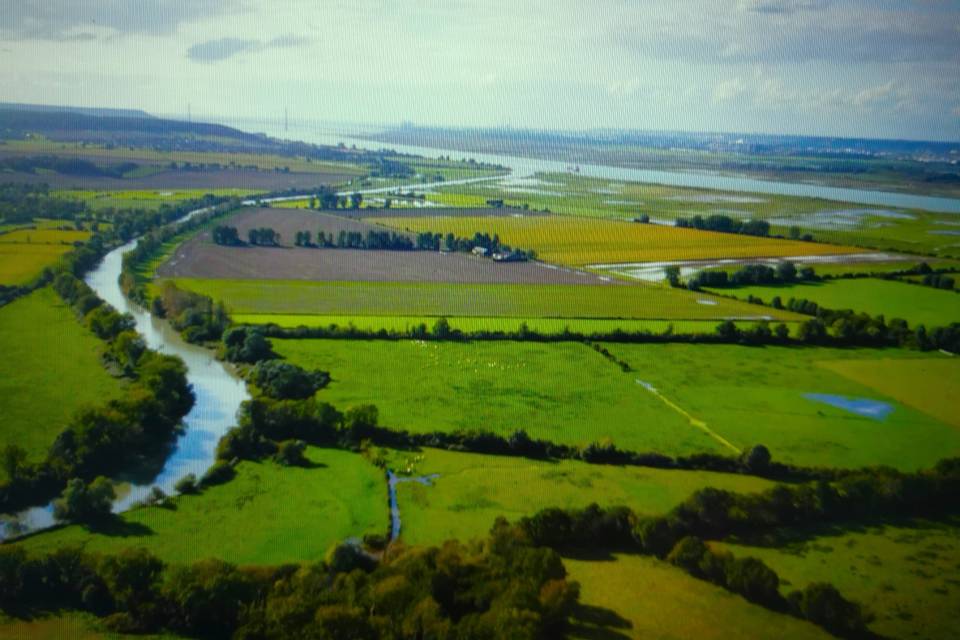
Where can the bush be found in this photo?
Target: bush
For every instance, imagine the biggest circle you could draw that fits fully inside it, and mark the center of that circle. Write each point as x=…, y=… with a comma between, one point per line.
x=219, y=473
x=82, y=502
x=291, y=453
x=285, y=381
x=187, y=484
x=822, y=604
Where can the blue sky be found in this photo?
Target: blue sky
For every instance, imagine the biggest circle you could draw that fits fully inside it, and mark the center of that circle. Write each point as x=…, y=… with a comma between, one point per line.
x=881, y=68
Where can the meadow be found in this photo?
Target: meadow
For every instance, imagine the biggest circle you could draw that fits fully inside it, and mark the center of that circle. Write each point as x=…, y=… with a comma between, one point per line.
x=564, y=392
x=640, y=302
x=751, y=395
x=266, y=515
x=472, y=490
x=51, y=368
x=586, y=241
x=905, y=573
x=916, y=304
x=148, y=199
x=24, y=253
x=628, y=596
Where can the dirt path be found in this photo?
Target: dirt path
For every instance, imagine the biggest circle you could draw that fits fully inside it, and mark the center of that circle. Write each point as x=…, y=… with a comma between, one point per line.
x=699, y=424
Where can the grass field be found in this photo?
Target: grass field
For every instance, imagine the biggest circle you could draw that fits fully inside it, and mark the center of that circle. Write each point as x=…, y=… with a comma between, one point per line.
x=751, y=395
x=930, y=385
x=50, y=369
x=914, y=303
x=584, y=241
x=298, y=297
x=472, y=490
x=905, y=575
x=43, y=236
x=475, y=324
x=564, y=392
x=268, y=514
x=628, y=596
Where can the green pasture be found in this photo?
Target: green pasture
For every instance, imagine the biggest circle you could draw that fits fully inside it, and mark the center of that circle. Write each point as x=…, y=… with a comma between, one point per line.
x=642, y=302
x=266, y=515
x=628, y=596
x=914, y=303
x=472, y=490
x=564, y=392
x=20, y=263
x=905, y=574
x=149, y=199
x=751, y=395
x=51, y=368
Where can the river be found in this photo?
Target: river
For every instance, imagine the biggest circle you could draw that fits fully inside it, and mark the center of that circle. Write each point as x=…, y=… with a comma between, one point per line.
x=218, y=391
x=525, y=167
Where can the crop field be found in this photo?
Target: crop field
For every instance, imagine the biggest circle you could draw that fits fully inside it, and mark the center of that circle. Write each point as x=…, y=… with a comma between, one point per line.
x=266, y=515
x=585, y=241
x=51, y=368
x=750, y=395
x=914, y=303
x=298, y=297
x=904, y=230
x=21, y=262
x=43, y=236
x=905, y=574
x=65, y=624
x=548, y=326
x=472, y=490
x=627, y=596
x=562, y=392
x=144, y=198
x=930, y=385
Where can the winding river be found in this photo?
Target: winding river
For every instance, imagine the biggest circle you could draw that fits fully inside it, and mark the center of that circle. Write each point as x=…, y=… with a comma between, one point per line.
x=218, y=391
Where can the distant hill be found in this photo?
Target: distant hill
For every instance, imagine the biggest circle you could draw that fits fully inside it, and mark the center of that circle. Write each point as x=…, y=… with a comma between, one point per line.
x=86, y=111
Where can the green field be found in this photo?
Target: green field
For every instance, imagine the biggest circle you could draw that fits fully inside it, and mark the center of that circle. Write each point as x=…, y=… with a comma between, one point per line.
x=471, y=324
x=641, y=302
x=914, y=303
x=582, y=241
x=751, y=395
x=472, y=490
x=51, y=368
x=563, y=392
x=639, y=597
x=906, y=575
x=20, y=263
x=65, y=625
x=267, y=515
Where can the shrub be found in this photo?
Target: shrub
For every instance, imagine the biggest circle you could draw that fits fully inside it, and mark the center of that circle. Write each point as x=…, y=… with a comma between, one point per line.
x=187, y=484
x=82, y=502
x=219, y=473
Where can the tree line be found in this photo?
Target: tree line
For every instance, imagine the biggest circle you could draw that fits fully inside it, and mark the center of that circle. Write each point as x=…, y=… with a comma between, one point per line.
x=724, y=224
x=500, y=587
x=784, y=273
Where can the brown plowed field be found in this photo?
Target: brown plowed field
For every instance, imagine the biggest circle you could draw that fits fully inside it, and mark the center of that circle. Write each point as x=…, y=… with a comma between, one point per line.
x=200, y=258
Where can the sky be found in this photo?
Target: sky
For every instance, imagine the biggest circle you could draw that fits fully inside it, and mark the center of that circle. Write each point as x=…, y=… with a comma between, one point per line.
x=862, y=68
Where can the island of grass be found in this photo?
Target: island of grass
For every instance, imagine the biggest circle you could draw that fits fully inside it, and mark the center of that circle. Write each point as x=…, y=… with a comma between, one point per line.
x=471, y=490
x=51, y=368
x=904, y=573
x=266, y=515
x=801, y=402
x=914, y=303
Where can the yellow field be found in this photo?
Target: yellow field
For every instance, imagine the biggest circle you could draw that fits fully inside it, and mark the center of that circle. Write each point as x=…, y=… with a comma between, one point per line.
x=583, y=241
x=639, y=597
x=21, y=262
x=43, y=236
x=930, y=385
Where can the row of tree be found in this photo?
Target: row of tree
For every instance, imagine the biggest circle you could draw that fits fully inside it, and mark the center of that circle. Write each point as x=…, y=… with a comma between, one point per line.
x=496, y=588
x=326, y=198
x=751, y=274
x=725, y=224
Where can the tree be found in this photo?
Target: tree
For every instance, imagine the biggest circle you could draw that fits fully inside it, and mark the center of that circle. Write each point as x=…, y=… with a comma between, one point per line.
x=672, y=274
x=12, y=459
x=822, y=604
x=356, y=199
x=786, y=271
x=187, y=484
x=85, y=502
x=291, y=453
x=756, y=459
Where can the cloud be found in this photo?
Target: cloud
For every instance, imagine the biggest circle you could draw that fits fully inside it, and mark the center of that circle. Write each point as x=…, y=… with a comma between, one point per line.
x=785, y=7
x=224, y=48
x=91, y=19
